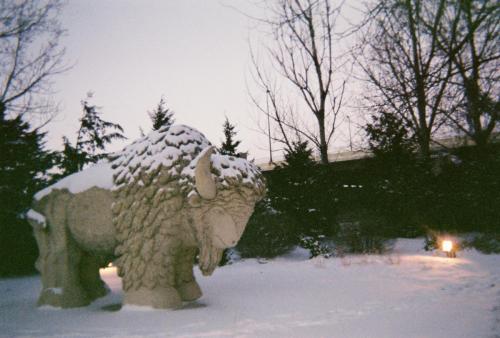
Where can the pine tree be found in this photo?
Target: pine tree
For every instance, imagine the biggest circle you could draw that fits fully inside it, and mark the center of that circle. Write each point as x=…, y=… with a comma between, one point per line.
x=400, y=180
x=305, y=192
x=93, y=137
x=299, y=157
x=161, y=116
x=23, y=163
x=229, y=145
x=389, y=136
x=298, y=188
x=71, y=160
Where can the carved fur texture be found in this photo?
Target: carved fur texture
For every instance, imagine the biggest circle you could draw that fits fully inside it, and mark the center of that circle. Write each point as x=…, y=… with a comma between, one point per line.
x=173, y=197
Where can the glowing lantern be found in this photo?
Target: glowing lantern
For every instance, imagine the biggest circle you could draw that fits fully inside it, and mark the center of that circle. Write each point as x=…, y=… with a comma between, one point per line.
x=447, y=246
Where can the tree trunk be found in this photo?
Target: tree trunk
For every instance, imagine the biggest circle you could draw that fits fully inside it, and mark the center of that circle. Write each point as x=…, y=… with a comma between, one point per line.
x=323, y=146
x=424, y=144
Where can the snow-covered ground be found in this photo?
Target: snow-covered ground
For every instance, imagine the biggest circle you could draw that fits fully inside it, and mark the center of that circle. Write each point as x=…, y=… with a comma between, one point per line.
x=408, y=293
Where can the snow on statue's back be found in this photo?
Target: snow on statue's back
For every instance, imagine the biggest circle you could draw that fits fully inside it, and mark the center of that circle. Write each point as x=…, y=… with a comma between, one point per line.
x=171, y=148
x=160, y=201
x=99, y=175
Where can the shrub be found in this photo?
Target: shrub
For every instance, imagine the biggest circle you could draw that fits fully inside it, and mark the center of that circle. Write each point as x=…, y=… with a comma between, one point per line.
x=488, y=243
x=317, y=245
x=364, y=232
x=268, y=233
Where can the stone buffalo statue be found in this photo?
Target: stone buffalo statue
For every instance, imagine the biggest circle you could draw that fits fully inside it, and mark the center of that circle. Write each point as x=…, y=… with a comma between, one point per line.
x=151, y=209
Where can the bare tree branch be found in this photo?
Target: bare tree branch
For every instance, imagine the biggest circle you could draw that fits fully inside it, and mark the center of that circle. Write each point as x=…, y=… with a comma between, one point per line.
x=402, y=61
x=30, y=54
x=302, y=56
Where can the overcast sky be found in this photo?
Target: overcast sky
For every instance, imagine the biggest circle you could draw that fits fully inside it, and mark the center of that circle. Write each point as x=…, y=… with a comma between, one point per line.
x=130, y=53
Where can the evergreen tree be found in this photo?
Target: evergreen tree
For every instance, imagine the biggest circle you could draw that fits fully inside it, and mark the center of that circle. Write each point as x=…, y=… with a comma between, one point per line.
x=93, y=136
x=299, y=157
x=161, y=116
x=23, y=163
x=71, y=160
x=296, y=193
x=280, y=219
x=229, y=145
x=389, y=137
x=304, y=192
x=399, y=182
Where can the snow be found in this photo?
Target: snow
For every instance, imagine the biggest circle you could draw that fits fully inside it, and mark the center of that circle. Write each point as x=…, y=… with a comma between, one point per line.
x=227, y=167
x=57, y=291
x=99, y=175
x=166, y=147
x=408, y=293
x=172, y=148
x=178, y=148
x=39, y=218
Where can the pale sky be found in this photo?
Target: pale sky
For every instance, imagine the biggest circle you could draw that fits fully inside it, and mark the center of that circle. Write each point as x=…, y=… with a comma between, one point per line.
x=130, y=53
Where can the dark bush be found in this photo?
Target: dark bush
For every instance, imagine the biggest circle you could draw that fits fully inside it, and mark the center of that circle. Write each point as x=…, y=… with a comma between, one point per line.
x=486, y=243
x=304, y=192
x=18, y=249
x=268, y=233
x=358, y=206
x=363, y=232
x=318, y=246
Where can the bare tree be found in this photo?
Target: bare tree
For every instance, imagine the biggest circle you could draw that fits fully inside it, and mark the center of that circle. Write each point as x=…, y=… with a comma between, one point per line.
x=404, y=66
x=300, y=82
x=476, y=60
x=29, y=54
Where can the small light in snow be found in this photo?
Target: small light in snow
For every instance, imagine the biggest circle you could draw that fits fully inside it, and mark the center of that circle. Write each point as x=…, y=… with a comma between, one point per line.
x=447, y=246
x=109, y=270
